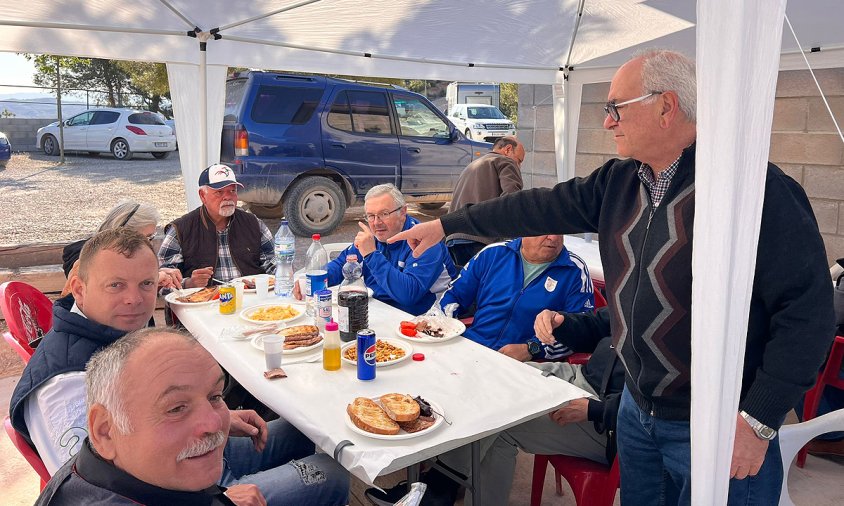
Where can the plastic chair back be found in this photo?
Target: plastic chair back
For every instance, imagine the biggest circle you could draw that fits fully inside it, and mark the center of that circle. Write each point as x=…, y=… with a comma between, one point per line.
x=28, y=453
x=829, y=377
x=593, y=484
x=600, y=300
x=794, y=437
x=28, y=313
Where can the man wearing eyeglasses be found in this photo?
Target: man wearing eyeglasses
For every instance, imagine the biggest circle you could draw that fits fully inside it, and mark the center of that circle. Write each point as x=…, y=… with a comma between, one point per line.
x=643, y=208
x=395, y=277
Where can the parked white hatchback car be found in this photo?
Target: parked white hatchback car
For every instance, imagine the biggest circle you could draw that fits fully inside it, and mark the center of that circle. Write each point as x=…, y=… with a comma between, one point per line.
x=481, y=122
x=121, y=132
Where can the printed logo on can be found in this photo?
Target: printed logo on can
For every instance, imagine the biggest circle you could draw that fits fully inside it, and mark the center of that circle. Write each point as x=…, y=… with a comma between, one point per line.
x=225, y=297
x=369, y=355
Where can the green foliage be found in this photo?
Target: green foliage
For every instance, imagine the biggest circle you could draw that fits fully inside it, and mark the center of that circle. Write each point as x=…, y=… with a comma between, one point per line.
x=510, y=101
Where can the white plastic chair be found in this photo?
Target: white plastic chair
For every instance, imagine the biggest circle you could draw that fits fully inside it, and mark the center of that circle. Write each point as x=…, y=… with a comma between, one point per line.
x=333, y=249
x=793, y=437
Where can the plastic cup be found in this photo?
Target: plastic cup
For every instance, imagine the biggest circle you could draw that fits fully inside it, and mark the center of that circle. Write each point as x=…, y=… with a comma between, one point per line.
x=239, y=287
x=273, y=348
x=262, y=285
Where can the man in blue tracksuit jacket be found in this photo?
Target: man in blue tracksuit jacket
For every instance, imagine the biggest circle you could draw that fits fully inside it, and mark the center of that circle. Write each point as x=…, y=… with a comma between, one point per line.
x=395, y=277
x=513, y=281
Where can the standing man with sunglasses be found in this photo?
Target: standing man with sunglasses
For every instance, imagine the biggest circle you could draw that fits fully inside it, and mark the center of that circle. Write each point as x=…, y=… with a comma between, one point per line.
x=395, y=277
x=643, y=208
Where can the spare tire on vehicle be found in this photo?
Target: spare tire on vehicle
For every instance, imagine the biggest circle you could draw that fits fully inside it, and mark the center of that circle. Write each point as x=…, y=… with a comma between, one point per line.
x=314, y=205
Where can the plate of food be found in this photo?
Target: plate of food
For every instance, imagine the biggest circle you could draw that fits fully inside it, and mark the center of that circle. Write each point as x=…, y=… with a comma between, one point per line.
x=426, y=329
x=298, y=339
x=194, y=296
x=249, y=283
x=393, y=416
x=265, y=313
x=387, y=352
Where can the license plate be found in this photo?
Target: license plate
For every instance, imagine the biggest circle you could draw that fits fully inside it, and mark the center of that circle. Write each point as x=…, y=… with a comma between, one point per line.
x=496, y=134
x=161, y=144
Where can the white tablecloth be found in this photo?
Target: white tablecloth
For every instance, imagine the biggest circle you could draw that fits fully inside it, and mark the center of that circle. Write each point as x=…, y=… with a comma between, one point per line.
x=481, y=391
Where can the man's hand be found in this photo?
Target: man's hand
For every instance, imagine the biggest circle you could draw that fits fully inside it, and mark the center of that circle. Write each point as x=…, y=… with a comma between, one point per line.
x=247, y=423
x=748, y=451
x=297, y=291
x=518, y=351
x=199, y=278
x=421, y=236
x=246, y=495
x=574, y=411
x=365, y=241
x=545, y=323
x=169, y=278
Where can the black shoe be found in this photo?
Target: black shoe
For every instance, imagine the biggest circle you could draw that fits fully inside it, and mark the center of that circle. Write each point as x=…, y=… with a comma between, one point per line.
x=389, y=497
x=441, y=491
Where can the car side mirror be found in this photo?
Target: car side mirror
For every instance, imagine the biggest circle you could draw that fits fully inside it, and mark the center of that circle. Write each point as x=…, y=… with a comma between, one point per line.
x=454, y=135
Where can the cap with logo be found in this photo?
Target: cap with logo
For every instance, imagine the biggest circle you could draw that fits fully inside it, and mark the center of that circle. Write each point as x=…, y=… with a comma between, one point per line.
x=218, y=176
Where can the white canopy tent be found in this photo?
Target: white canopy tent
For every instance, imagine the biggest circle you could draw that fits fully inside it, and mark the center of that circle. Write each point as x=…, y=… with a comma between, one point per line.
x=565, y=43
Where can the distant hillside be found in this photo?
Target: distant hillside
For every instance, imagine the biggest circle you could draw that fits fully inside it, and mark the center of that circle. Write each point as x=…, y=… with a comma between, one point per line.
x=41, y=107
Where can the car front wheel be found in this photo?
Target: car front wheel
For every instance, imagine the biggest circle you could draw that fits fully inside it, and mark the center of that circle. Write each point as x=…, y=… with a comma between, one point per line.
x=314, y=205
x=161, y=155
x=50, y=145
x=468, y=134
x=120, y=149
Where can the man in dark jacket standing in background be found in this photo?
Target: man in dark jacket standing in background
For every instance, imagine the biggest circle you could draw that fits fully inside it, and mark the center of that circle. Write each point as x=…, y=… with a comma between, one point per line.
x=495, y=174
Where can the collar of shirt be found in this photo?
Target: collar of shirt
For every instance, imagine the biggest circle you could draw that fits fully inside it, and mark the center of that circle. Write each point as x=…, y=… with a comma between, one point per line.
x=75, y=309
x=659, y=186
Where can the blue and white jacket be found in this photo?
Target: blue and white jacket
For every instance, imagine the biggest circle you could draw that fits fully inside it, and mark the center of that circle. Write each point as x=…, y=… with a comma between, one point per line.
x=493, y=280
x=397, y=278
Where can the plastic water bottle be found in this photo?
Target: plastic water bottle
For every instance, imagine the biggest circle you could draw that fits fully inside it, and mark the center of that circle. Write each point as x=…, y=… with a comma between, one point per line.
x=316, y=273
x=352, y=275
x=285, y=251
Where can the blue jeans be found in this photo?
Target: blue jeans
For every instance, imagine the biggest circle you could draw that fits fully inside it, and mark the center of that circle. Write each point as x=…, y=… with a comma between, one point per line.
x=287, y=471
x=655, y=463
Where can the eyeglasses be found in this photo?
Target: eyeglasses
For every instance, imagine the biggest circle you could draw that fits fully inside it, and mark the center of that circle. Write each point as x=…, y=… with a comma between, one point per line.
x=151, y=237
x=612, y=108
x=383, y=215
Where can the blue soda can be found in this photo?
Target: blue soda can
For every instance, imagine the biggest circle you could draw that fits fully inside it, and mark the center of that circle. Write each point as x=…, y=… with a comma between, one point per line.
x=316, y=281
x=323, y=305
x=366, y=354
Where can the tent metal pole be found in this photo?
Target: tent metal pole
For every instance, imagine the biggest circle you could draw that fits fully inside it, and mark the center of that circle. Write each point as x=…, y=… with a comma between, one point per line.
x=94, y=28
x=203, y=93
x=273, y=13
x=184, y=18
x=574, y=34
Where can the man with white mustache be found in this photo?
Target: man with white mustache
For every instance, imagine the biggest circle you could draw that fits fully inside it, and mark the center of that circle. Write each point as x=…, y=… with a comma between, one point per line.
x=217, y=240
x=160, y=433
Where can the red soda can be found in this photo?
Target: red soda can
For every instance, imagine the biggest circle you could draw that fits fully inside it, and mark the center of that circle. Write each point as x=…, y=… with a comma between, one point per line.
x=366, y=354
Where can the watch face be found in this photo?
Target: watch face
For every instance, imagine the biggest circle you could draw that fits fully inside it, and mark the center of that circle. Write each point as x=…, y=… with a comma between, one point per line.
x=533, y=347
x=767, y=433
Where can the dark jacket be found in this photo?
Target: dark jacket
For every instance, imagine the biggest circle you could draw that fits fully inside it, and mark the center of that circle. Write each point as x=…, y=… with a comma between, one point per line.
x=70, y=254
x=197, y=236
x=66, y=348
x=88, y=479
x=790, y=323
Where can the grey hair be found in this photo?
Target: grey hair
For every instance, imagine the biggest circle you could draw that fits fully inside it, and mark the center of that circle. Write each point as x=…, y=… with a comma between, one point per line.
x=666, y=70
x=144, y=216
x=103, y=372
x=381, y=189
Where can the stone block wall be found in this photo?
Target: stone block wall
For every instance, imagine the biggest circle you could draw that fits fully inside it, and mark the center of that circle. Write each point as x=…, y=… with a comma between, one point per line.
x=21, y=131
x=804, y=142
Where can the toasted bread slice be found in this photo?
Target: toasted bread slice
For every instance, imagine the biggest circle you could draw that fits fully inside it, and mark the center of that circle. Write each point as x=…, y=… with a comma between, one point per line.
x=368, y=416
x=400, y=407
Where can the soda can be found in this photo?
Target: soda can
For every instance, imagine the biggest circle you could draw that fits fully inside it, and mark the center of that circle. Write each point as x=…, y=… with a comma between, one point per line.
x=366, y=355
x=228, y=302
x=323, y=305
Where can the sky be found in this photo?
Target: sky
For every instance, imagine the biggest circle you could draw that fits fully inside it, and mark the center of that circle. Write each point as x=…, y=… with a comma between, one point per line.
x=15, y=70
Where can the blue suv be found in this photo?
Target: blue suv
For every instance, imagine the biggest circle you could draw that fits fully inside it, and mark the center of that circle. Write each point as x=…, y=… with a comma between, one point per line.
x=306, y=147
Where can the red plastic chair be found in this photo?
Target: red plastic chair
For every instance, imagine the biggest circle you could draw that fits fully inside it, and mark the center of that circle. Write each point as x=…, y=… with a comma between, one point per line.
x=830, y=376
x=28, y=313
x=593, y=484
x=28, y=453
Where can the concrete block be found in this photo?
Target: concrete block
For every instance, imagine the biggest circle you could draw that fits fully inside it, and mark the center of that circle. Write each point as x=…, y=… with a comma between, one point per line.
x=542, y=94
x=545, y=116
x=809, y=148
x=834, y=247
x=824, y=182
x=826, y=212
x=545, y=140
x=595, y=141
x=526, y=95
x=789, y=115
x=527, y=116
x=592, y=115
x=595, y=93
x=793, y=171
x=585, y=164
x=840, y=224
x=818, y=116
x=544, y=163
x=540, y=181
x=525, y=136
x=799, y=83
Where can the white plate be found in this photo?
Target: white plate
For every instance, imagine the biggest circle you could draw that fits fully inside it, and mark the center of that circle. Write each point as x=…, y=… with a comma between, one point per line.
x=335, y=289
x=171, y=298
x=453, y=329
x=402, y=434
x=408, y=351
x=252, y=290
x=250, y=310
x=258, y=342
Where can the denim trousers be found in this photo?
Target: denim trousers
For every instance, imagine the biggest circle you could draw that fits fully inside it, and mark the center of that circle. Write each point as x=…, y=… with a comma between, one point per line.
x=655, y=462
x=287, y=471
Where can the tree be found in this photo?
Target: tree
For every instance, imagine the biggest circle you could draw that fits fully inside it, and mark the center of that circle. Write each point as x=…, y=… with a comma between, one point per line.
x=83, y=74
x=509, y=98
x=149, y=80
x=7, y=114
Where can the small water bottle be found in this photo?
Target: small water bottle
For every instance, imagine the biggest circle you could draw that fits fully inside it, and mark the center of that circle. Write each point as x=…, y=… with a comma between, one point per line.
x=316, y=273
x=285, y=251
x=352, y=275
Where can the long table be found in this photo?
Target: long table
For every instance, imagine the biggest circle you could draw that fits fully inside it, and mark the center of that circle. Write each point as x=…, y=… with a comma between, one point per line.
x=480, y=390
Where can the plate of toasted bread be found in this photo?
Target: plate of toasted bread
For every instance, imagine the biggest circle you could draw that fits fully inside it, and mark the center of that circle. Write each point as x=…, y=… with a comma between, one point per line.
x=273, y=313
x=297, y=339
x=194, y=296
x=430, y=330
x=393, y=416
x=387, y=352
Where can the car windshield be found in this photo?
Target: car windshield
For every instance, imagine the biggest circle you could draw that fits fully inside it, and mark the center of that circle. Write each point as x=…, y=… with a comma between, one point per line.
x=145, y=118
x=485, y=113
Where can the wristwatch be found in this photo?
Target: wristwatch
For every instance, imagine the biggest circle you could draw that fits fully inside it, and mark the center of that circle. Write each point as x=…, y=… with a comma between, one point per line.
x=762, y=431
x=534, y=348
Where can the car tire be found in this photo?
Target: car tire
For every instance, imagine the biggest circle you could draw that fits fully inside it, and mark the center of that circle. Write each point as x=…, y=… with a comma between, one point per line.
x=120, y=149
x=161, y=155
x=314, y=205
x=50, y=145
x=468, y=134
x=430, y=206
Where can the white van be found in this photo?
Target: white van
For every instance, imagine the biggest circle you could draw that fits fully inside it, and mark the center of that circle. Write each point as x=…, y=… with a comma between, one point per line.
x=481, y=122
